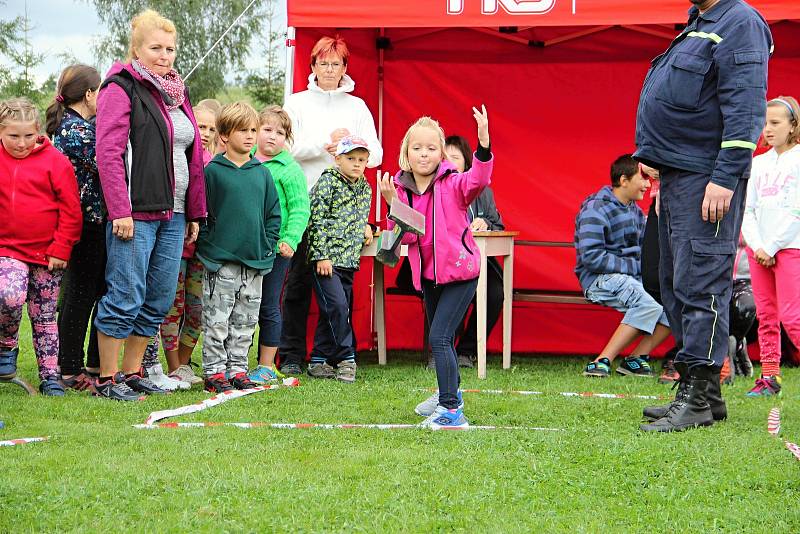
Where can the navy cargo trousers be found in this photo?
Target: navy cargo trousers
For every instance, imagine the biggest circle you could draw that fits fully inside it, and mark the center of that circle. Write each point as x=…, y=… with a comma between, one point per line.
x=696, y=265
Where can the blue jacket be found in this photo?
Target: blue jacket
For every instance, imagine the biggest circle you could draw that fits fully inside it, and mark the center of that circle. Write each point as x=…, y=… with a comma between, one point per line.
x=703, y=104
x=608, y=237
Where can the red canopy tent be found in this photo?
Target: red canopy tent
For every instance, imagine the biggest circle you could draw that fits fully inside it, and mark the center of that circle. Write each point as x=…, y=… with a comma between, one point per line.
x=561, y=81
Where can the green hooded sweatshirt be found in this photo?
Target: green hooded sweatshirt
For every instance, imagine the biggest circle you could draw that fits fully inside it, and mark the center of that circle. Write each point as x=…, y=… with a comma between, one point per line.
x=244, y=216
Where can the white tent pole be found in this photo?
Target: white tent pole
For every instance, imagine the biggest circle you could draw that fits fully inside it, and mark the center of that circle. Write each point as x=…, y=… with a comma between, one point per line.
x=288, y=79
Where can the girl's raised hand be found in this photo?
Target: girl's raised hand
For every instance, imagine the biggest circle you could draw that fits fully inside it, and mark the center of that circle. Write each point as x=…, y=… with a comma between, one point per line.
x=482, y=119
x=387, y=189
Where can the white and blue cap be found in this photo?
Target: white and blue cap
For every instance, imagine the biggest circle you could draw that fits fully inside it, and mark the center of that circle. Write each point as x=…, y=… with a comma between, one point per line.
x=350, y=143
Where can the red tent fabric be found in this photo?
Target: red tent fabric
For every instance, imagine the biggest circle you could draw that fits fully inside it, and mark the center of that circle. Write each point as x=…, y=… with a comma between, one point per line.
x=561, y=91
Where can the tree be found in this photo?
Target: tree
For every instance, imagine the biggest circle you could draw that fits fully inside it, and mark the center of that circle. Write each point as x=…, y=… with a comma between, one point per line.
x=266, y=86
x=199, y=24
x=17, y=79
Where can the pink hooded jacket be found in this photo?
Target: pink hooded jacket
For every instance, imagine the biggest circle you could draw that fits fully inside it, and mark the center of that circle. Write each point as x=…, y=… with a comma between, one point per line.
x=456, y=256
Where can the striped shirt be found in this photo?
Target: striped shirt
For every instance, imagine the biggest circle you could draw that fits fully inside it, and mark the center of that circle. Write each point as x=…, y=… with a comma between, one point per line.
x=608, y=237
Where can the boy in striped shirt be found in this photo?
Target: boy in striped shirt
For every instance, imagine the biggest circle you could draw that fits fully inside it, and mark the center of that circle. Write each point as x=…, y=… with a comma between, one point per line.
x=608, y=241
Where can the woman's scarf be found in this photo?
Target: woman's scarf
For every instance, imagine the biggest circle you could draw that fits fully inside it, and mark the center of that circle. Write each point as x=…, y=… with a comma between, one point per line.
x=171, y=86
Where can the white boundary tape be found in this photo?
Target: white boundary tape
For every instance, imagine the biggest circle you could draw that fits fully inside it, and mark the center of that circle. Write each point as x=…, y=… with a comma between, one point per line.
x=585, y=394
x=216, y=400
x=326, y=426
x=21, y=441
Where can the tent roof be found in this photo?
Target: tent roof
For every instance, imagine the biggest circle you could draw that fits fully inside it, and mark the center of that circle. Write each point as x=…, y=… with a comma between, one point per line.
x=434, y=13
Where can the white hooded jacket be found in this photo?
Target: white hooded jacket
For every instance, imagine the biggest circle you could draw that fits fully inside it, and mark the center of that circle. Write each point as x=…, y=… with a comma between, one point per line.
x=316, y=114
x=772, y=209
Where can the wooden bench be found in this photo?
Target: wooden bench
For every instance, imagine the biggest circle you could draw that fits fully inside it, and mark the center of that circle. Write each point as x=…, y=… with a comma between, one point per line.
x=550, y=297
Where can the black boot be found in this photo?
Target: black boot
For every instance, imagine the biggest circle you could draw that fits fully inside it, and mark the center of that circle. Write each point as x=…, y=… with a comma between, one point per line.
x=691, y=411
x=714, y=396
x=652, y=413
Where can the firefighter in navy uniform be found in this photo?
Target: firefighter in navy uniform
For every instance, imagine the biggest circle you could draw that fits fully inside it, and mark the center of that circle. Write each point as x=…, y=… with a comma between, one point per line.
x=701, y=112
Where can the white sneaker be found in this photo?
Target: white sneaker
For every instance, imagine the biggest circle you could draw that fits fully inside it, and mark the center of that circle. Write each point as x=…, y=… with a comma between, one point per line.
x=157, y=377
x=184, y=373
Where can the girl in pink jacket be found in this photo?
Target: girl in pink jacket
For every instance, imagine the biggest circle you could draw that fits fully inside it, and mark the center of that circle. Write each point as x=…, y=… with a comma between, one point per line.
x=445, y=261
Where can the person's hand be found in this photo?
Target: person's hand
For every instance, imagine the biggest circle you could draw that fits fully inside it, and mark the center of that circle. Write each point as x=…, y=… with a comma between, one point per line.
x=367, y=235
x=330, y=148
x=649, y=171
x=482, y=120
x=192, y=229
x=285, y=250
x=764, y=259
x=338, y=134
x=478, y=225
x=55, y=263
x=716, y=203
x=386, y=186
x=122, y=228
x=324, y=268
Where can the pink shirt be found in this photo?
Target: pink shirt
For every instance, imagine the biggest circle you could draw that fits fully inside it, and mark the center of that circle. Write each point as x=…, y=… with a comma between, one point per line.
x=424, y=204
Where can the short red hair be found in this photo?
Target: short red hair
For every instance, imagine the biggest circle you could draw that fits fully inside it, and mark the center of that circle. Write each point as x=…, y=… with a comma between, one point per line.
x=330, y=45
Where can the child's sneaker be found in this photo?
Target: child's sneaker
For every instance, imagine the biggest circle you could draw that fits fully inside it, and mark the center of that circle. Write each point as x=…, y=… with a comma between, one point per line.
x=115, y=389
x=291, y=369
x=8, y=363
x=766, y=387
x=600, y=368
x=635, y=366
x=184, y=373
x=428, y=406
x=262, y=375
x=280, y=375
x=444, y=418
x=79, y=382
x=217, y=383
x=321, y=370
x=242, y=381
x=141, y=384
x=51, y=387
x=156, y=375
x=346, y=371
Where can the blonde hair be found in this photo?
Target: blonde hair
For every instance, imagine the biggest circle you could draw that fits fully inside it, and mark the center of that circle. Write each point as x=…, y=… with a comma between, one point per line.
x=235, y=117
x=212, y=143
x=422, y=122
x=18, y=110
x=212, y=104
x=280, y=115
x=144, y=23
x=794, y=115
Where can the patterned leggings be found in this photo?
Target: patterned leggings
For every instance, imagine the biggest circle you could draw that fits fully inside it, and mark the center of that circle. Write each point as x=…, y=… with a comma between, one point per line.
x=22, y=283
x=183, y=321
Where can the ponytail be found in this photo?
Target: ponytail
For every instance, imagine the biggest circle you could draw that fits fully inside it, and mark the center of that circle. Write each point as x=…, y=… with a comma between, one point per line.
x=72, y=85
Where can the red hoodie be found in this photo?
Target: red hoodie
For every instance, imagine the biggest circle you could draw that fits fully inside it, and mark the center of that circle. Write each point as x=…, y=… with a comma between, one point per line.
x=40, y=210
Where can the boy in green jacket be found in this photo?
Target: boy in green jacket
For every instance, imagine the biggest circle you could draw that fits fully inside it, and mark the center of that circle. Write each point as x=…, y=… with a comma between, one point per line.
x=237, y=247
x=274, y=131
x=340, y=203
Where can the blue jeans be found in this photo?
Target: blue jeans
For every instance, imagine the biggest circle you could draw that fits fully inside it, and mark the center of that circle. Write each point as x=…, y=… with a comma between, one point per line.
x=626, y=294
x=445, y=306
x=269, y=315
x=142, y=276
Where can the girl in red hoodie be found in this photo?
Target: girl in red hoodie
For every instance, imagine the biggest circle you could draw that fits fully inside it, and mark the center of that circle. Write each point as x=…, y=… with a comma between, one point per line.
x=40, y=221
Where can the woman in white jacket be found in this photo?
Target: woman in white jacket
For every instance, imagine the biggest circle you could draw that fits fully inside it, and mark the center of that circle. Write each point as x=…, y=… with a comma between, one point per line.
x=321, y=116
x=771, y=230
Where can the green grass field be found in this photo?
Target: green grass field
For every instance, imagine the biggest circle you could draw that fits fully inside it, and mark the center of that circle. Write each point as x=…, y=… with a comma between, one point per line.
x=600, y=474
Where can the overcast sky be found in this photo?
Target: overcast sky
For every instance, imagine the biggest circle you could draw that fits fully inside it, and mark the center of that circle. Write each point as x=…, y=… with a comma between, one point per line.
x=72, y=25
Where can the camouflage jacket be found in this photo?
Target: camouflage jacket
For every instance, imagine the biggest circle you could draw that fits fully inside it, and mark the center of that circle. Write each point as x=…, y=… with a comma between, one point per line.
x=339, y=213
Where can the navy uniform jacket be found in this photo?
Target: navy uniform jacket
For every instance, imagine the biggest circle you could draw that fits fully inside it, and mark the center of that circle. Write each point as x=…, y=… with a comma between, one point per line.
x=703, y=104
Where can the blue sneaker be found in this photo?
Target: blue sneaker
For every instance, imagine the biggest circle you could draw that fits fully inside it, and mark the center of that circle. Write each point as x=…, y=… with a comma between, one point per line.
x=442, y=418
x=8, y=363
x=428, y=406
x=635, y=366
x=600, y=368
x=51, y=387
x=262, y=375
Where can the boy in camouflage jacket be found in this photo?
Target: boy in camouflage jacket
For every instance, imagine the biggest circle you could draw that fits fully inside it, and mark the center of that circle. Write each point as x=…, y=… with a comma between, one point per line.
x=338, y=228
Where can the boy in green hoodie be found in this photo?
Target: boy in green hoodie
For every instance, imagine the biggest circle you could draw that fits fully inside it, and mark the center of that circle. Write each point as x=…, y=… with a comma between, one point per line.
x=237, y=247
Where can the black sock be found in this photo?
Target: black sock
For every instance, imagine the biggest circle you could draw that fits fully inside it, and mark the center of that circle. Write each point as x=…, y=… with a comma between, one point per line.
x=103, y=379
